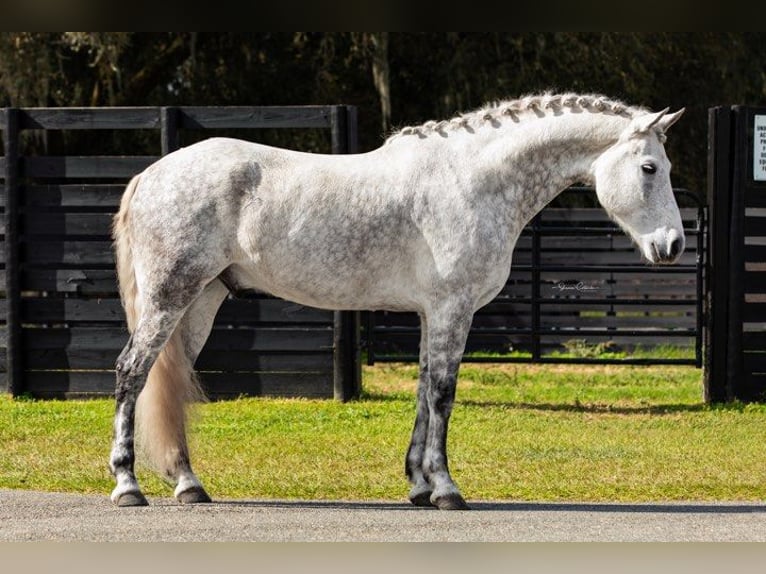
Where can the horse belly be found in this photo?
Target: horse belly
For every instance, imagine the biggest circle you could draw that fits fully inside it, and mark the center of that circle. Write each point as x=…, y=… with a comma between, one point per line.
x=316, y=263
x=325, y=285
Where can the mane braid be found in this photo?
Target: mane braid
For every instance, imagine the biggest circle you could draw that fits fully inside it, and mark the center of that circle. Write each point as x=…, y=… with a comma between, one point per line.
x=522, y=108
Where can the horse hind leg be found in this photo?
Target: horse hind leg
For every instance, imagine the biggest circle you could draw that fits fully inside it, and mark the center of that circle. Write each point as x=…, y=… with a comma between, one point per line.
x=172, y=385
x=133, y=365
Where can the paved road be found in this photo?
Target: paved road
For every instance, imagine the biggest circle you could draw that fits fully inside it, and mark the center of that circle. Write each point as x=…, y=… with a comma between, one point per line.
x=66, y=517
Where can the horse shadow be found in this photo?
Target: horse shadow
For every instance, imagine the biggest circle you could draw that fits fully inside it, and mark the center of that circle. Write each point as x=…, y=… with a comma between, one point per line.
x=595, y=408
x=577, y=407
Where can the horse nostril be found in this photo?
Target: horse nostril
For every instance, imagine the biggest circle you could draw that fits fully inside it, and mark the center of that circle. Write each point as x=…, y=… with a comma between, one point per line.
x=675, y=248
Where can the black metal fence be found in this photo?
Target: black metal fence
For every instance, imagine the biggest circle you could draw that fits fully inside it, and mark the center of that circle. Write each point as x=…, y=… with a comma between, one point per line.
x=577, y=284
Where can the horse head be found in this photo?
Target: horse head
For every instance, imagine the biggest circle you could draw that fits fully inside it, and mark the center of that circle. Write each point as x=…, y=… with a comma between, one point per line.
x=632, y=179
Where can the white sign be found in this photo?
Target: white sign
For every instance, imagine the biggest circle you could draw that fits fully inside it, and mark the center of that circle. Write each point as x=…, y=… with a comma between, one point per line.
x=759, y=149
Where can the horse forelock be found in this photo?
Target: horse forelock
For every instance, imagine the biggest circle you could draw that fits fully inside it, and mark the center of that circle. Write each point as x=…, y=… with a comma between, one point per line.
x=521, y=109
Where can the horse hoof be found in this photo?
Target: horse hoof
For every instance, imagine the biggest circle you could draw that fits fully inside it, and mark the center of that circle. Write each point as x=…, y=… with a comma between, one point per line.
x=450, y=502
x=132, y=499
x=421, y=499
x=195, y=495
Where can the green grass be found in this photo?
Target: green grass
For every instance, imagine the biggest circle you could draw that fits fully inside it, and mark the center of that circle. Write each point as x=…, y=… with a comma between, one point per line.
x=518, y=432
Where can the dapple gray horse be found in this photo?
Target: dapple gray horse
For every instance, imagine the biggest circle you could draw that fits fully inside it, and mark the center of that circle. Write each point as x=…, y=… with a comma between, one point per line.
x=425, y=223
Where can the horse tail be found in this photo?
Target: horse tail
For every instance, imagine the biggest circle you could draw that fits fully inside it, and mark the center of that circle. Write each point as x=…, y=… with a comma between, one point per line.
x=171, y=384
x=123, y=252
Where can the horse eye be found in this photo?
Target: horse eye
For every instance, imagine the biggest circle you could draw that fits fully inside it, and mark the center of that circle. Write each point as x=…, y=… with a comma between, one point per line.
x=649, y=168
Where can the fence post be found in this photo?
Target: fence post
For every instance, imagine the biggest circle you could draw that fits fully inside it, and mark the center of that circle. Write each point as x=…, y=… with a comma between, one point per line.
x=716, y=381
x=15, y=370
x=736, y=384
x=169, y=121
x=346, y=324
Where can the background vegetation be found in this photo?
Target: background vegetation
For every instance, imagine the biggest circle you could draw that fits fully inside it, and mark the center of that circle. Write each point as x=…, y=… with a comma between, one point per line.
x=394, y=78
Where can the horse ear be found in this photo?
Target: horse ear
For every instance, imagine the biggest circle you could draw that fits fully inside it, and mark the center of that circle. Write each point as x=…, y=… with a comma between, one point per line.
x=669, y=119
x=642, y=124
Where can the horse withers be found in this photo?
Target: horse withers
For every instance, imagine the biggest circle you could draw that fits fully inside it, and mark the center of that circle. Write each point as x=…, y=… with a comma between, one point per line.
x=425, y=223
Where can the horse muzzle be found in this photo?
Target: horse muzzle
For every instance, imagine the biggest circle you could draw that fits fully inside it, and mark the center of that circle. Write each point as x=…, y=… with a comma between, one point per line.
x=664, y=246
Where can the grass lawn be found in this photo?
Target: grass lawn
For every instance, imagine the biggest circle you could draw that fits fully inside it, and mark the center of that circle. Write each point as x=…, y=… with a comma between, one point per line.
x=518, y=432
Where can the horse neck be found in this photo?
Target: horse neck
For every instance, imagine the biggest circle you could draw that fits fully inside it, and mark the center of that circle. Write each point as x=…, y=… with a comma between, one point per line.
x=532, y=161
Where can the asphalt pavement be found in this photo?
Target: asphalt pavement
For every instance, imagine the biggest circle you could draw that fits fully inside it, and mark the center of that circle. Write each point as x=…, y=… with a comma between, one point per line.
x=38, y=516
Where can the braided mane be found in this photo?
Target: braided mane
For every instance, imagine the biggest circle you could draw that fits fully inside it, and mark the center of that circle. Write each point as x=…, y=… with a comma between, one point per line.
x=517, y=110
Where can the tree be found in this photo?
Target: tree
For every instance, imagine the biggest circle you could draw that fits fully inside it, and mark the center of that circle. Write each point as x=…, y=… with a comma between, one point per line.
x=394, y=78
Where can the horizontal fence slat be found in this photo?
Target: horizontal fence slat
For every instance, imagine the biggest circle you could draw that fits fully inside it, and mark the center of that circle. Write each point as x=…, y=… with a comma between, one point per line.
x=89, y=118
x=255, y=117
x=67, y=385
x=254, y=312
x=585, y=215
x=267, y=339
x=81, y=281
x=88, y=196
x=232, y=385
x=554, y=307
x=85, y=166
x=69, y=358
x=212, y=360
x=50, y=310
x=557, y=331
x=272, y=339
x=64, y=224
x=617, y=323
x=66, y=358
x=239, y=311
x=71, y=253
x=59, y=385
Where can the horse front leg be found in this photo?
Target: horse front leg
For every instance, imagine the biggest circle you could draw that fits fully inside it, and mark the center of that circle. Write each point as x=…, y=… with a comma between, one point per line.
x=447, y=334
x=420, y=494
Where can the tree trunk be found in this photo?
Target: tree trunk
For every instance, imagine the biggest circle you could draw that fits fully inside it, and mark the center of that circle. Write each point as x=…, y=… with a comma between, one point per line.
x=380, y=75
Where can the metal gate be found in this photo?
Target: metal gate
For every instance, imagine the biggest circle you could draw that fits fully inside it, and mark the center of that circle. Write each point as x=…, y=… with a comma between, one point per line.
x=577, y=282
